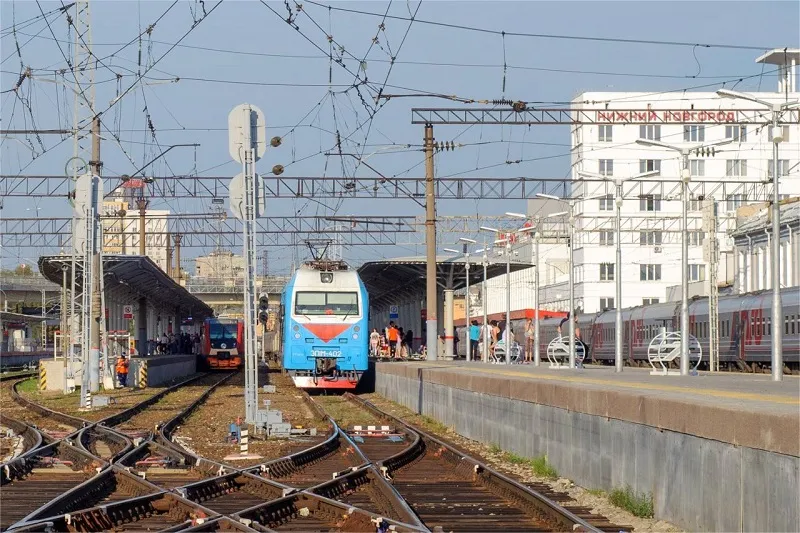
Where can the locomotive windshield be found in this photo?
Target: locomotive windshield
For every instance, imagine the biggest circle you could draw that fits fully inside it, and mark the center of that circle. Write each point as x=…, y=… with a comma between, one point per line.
x=326, y=303
x=219, y=332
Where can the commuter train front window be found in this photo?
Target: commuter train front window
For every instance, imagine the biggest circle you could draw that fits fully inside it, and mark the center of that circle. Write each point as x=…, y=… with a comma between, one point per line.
x=326, y=303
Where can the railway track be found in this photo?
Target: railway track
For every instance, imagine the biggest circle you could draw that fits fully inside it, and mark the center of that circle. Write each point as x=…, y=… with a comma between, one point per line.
x=128, y=472
x=449, y=489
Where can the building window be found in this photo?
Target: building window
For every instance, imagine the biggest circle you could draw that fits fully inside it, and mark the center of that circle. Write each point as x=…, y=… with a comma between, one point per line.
x=649, y=165
x=650, y=202
x=606, y=271
x=607, y=203
x=736, y=167
x=649, y=272
x=604, y=134
x=606, y=238
x=697, y=272
x=785, y=133
x=650, y=131
x=607, y=303
x=696, y=237
x=737, y=133
x=694, y=133
x=649, y=301
x=697, y=167
x=650, y=238
x=606, y=167
x=734, y=201
x=695, y=204
x=783, y=168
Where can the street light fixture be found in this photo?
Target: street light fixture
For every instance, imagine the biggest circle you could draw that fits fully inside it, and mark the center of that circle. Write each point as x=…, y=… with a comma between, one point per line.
x=485, y=261
x=507, y=242
x=618, y=181
x=777, y=137
x=686, y=176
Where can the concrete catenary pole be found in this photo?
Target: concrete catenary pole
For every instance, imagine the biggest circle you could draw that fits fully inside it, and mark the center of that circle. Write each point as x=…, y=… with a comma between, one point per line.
x=572, y=314
x=96, y=166
x=777, y=311
x=507, y=343
x=686, y=176
x=485, y=327
x=430, y=242
x=537, y=357
x=618, y=363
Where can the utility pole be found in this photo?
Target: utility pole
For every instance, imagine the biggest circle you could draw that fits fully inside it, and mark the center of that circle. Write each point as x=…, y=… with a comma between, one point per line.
x=485, y=327
x=711, y=257
x=537, y=356
x=141, y=204
x=430, y=244
x=177, y=275
x=572, y=284
x=96, y=167
x=618, y=362
x=169, y=270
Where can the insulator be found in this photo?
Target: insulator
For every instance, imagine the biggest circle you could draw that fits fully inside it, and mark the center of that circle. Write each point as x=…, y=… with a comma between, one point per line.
x=124, y=178
x=277, y=170
x=519, y=106
x=275, y=141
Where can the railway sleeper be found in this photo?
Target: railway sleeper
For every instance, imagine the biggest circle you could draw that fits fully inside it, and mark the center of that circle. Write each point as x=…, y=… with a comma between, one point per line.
x=166, y=507
x=300, y=506
x=211, y=489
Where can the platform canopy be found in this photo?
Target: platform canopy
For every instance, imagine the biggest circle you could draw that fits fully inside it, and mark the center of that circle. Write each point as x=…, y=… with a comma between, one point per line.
x=405, y=276
x=136, y=275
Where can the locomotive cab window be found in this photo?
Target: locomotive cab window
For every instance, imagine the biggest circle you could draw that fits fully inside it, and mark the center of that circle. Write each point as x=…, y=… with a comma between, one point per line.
x=326, y=303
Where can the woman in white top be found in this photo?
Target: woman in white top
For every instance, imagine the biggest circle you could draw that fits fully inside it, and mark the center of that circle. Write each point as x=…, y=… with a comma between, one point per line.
x=374, y=340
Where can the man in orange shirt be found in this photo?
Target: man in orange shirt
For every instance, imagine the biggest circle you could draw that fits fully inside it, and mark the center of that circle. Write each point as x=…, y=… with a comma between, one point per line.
x=393, y=336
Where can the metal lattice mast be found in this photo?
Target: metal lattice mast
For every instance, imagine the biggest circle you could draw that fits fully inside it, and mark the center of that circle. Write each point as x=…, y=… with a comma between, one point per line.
x=84, y=93
x=711, y=257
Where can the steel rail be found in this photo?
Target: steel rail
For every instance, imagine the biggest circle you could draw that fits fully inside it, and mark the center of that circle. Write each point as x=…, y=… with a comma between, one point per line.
x=546, y=509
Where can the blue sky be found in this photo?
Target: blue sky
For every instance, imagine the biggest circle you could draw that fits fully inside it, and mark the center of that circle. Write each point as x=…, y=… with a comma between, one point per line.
x=266, y=62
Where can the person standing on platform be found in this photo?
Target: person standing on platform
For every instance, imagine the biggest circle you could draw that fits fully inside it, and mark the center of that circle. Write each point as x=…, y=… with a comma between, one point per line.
x=474, y=337
x=393, y=335
x=374, y=342
x=528, y=340
x=122, y=371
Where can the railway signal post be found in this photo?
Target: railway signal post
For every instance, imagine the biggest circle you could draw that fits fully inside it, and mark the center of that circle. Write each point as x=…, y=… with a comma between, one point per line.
x=247, y=144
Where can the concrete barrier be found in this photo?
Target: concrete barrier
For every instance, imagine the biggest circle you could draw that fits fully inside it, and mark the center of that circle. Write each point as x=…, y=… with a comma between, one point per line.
x=158, y=369
x=697, y=483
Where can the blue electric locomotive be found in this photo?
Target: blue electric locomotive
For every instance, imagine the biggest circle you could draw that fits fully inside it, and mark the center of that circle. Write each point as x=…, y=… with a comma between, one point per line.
x=325, y=335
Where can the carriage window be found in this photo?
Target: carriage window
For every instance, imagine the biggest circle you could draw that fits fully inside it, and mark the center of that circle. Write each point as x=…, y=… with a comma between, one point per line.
x=786, y=325
x=326, y=303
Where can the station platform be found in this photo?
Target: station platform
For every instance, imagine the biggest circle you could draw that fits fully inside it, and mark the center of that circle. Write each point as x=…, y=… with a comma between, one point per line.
x=741, y=409
x=717, y=452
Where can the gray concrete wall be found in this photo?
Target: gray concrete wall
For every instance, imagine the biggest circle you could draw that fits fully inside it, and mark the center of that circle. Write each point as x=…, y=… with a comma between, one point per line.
x=696, y=483
x=164, y=368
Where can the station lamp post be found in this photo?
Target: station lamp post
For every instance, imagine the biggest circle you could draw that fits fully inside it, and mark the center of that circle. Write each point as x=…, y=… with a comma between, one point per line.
x=507, y=242
x=686, y=176
x=571, y=261
x=618, y=181
x=466, y=242
x=777, y=137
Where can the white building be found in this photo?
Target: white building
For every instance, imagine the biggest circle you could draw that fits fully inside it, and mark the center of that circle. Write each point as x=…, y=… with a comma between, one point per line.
x=735, y=174
x=220, y=264
x=121, y=231
x=752, y=239
x=553, y=266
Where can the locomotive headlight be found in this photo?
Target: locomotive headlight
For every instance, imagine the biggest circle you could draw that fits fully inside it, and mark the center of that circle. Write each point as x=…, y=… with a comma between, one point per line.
x=296, y=327
x=296, y=335
x=356, y=329
x=355, y=335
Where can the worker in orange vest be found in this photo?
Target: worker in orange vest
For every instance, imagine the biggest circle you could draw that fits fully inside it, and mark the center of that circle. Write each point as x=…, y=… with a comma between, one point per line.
x=394, y=334
x=122, y=370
